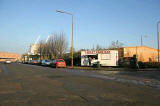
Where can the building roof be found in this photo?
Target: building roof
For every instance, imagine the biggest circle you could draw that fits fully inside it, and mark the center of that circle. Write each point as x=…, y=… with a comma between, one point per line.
x=9, y=53
x=140, y=46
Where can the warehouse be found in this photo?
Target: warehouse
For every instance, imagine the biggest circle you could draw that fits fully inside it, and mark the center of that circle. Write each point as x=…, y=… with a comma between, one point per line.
x=144, y=53
x=11, y=56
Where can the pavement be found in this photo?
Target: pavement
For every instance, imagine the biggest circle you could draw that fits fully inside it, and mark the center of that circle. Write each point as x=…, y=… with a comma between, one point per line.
x=30, y=85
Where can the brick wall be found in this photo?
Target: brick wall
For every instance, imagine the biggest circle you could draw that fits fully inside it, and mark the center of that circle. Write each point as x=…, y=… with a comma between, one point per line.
x=144, y=53
x=9, y=55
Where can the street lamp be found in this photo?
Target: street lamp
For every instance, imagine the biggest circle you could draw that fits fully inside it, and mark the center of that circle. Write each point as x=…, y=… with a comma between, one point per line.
x=60, y=11
x=158, y=39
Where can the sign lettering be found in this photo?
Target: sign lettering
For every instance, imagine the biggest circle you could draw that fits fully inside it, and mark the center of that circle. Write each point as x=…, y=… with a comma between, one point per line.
x=98, y=52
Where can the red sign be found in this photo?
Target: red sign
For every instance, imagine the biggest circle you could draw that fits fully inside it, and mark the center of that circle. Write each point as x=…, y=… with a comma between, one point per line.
x=98, y=52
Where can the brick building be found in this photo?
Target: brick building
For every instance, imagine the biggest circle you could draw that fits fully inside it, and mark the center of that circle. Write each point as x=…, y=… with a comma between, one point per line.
x=144, y=53
x=11, y=56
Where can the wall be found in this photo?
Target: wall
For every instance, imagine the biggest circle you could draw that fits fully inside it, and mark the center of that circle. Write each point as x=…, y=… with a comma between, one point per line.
x=9, y=55
x=144, y=53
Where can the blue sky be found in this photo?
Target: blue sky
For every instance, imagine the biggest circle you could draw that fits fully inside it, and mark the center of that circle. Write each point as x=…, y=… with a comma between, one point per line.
x=95, y=22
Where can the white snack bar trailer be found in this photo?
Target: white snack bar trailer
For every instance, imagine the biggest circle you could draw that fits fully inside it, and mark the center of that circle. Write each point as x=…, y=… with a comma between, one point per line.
x=104, y=57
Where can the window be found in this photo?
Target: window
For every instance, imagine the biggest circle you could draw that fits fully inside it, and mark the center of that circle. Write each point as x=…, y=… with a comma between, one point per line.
x=105, y=56
x=54, y=61
x=47, y=61
x=60, y=60
x=93, y=56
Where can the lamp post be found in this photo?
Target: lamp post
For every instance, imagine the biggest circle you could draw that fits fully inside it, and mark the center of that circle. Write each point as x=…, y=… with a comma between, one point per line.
x=158, y=39
x=60, y=11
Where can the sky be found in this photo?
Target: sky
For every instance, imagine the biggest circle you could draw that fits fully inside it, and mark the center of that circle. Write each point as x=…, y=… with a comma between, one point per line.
x=95, y=22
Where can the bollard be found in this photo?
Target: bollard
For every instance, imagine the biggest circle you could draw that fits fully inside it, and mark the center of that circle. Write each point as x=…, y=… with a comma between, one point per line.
x=98, y=65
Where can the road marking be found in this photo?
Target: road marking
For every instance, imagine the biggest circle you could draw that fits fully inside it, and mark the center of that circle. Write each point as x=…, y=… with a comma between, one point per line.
x=0, y=70
x=5, y=71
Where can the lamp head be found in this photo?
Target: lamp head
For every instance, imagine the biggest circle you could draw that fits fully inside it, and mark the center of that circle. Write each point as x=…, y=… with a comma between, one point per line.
x=59, y=11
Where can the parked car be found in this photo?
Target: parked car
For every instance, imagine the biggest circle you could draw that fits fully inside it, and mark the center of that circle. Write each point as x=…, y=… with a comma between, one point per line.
x=38, y=62
x=7, y=61
x=34, y=62
x=46, y=62
x=58, y=63
x=25, y=62
x=30, y=62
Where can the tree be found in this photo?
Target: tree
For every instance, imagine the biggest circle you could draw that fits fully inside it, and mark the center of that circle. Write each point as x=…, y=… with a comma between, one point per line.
x=55, y=46
x=62, y=44
x=52, y=43
x=77, y=58
x=116, y=44
x=41, y=49
x=98, y=47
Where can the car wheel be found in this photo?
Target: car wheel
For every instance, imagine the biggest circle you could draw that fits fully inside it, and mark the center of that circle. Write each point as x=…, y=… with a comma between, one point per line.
x=56, y=66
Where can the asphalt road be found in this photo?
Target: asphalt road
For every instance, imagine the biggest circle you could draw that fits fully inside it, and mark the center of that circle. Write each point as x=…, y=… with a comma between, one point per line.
x=29, y=85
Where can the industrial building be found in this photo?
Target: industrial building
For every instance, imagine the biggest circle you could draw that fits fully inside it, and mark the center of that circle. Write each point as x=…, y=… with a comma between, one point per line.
x=144, y=53
x=9, y=56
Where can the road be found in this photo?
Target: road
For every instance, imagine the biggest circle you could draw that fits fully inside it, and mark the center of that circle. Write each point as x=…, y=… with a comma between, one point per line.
x=30, y=85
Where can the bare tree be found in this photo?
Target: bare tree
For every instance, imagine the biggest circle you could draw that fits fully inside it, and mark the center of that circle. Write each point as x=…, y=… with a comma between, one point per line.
x=98, y=47
x=57, y=44
x=52, y=45
x=44, y=50
x=41, y=49
x=116, y=44
x=62, y=44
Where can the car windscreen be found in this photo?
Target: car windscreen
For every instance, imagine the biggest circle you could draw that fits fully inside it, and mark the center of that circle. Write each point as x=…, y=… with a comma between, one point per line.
x=47, y=60
x=60, y=60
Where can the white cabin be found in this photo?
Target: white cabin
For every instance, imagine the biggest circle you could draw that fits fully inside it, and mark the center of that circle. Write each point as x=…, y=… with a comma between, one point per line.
x=105, y=57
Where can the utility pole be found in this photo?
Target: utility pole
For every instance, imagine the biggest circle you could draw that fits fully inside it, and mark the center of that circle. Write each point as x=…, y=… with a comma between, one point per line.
x=60, y=11
x=72, y=41
x=158, y=39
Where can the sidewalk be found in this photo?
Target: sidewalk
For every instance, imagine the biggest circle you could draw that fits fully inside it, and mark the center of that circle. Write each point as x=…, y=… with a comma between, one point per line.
x=111, y=69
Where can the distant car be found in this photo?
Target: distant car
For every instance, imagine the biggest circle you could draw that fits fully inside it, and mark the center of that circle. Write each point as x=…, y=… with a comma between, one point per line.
x=38, y=62
x=7, y=61
x=45, y=62
x=58, y=63
x=25, y=62
x=30, y=62
x=34, y=62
